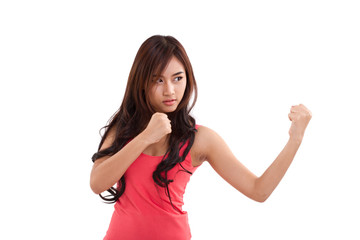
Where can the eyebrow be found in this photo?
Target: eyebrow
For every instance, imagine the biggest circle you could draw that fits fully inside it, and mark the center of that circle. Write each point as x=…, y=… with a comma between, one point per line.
x=171, y=75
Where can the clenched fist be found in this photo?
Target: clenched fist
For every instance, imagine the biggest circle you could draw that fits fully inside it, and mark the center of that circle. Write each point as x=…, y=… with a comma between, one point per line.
x=158, y=126
x=299, y=116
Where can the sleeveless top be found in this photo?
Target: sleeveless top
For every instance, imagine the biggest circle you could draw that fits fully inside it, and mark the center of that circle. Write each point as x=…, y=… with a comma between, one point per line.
x=144, y=211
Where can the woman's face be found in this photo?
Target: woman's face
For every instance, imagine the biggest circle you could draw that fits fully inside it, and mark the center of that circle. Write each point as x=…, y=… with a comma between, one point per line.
x=168, y=89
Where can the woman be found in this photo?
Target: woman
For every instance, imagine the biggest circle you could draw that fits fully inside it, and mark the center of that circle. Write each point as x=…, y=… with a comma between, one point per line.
x=152, y=145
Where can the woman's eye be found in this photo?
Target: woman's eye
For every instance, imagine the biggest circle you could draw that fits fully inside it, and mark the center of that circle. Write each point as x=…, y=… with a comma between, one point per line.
x=177, y=79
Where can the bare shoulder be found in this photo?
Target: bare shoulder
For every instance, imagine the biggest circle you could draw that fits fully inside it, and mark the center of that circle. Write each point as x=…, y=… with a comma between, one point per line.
x=205, y=138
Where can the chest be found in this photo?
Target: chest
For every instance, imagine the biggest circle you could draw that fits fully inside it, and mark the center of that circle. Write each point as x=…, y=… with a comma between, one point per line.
x=196, y=158
x=198, y=151
x=159, y=149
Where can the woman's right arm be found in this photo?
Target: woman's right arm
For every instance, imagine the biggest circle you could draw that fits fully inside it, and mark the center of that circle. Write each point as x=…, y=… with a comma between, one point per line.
x=108, y=170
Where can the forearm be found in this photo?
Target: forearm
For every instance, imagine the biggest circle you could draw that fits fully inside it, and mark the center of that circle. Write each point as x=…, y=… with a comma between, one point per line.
x=268, y=181
x=108, y=172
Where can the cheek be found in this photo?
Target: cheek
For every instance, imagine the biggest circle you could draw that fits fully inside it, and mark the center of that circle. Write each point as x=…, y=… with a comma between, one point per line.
x=182, y=87
x=154, y=92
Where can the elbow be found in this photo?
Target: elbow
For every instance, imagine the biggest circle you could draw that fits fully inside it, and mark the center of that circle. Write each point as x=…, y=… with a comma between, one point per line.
x=261, y=198
x=96, y=191
x=260, y=195
x=95, y=187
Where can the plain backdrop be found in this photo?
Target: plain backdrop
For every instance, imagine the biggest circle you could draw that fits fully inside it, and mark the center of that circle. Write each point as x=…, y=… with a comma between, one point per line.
x=64, y=67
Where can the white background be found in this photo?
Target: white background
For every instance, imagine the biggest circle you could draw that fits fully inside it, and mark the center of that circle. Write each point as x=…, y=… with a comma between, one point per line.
x=64, y=67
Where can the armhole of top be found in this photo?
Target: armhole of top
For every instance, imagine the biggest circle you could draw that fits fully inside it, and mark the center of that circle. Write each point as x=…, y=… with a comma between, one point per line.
x=190, y=158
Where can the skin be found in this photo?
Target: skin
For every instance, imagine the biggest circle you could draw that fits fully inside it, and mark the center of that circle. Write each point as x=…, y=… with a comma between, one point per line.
x=164, y=87
x=170, y=85
x=208, y=145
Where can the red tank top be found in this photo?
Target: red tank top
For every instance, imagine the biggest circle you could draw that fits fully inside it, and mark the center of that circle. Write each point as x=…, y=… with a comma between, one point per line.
x=144, y=211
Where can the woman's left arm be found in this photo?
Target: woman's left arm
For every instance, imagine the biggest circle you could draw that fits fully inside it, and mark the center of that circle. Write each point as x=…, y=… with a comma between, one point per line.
x=235, y=173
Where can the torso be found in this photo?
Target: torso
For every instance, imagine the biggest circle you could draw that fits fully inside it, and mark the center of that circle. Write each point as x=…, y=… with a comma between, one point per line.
x=197, y=152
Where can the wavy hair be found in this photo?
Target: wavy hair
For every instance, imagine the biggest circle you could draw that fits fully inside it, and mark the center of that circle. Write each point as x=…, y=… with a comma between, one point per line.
x=135, y=111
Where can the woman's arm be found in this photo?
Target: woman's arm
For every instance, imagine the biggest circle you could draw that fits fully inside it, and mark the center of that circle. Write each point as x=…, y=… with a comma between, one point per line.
x=220, y=157
x=108, y=170
x=268, y=181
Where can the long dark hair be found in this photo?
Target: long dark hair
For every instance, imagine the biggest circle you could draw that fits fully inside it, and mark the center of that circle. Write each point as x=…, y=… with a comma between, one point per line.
x=135, y=111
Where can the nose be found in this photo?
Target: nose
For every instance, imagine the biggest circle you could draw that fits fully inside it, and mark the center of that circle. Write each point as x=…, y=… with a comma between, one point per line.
x=169, y=89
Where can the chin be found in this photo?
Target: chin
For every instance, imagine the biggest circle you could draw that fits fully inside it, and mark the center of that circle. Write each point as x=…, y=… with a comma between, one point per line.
x=168, y=110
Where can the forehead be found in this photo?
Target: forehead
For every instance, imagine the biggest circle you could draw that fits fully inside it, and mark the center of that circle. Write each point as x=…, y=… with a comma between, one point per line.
x=173, y=66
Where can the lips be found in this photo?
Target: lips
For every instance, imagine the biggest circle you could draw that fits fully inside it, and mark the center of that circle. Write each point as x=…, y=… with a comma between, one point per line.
x=169, y=102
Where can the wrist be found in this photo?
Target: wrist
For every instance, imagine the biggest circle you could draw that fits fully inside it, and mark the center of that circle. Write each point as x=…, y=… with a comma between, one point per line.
x=144, y=139
x=295, y=139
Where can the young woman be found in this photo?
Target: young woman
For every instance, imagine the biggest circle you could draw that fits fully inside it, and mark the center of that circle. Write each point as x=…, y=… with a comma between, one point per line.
x=152, y=145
